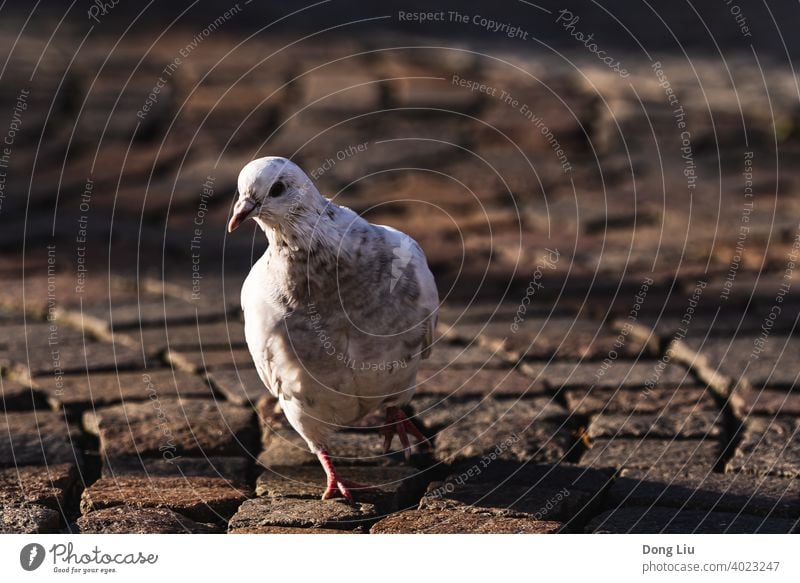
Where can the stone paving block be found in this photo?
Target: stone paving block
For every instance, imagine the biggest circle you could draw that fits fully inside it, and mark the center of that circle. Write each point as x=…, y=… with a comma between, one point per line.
x=184, y=427
x=70, y=358
x=447, y=356
x=549, y=476
x=768, y=446
x=479, y=313
x=663, y=520
x=439, y=411
x=763, y=496
x=668, y=324
x=132, y=520
x=147, y=311
x=400, y=487
x=621, y=373
x=296, y=512
x=607, y=400
x=515, y=499
x=474, y=383
x=284, y=447
x=679, y=455
x=563, y=338
x=481, y=327
x=546, y=442
x=30, y=519
x=665, y=424
x=74, y=393
x=770, y=401
x=40, y=485
x=16, y=396
x=233, y=469
x=216, y=289
x=521, y=430
x=37, y=334
x=763, y=364
x=155, y=341
x=37, y=438
x=455, y=314
x=212, y=359
x=456, y=522
x=199, y=498
x=242, y=386
x=286, y=530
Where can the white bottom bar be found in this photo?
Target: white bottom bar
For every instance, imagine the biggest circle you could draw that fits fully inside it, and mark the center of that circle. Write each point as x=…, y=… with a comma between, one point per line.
x=401, y=558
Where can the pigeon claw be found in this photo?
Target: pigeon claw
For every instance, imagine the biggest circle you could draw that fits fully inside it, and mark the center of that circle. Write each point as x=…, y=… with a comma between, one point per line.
x=336, y=486
x=397, y=423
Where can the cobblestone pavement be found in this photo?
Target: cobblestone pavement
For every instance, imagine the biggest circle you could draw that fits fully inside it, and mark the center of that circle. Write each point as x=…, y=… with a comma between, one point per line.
x=184, y=438
x=613, y=354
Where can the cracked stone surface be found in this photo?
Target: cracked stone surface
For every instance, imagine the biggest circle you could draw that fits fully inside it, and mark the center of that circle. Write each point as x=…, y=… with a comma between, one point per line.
x=30, y=519
x=77, y=393
x=294, y=512
x=455, y=522
x=193, y=336
x=515, y=500
x=474, y=382
x=132, y=520
x=687, y=425
x=37, y=438
x=285, y=447
x=242, y=386
x=679, y=456
x=179, y=426
x=199, y=498
x=146, y=312
x=234, y=469
x=631, y=374
x=521, y=429
x=771, y=365
x=399, y=487
x=612, y=400
x=71, y=357
x=771, y=402
x=211, y=359
x=768, y=446
x=47, y=486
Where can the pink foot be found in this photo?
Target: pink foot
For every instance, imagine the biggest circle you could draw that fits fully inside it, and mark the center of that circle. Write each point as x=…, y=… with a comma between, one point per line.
x=337, y=486
x=398, y=423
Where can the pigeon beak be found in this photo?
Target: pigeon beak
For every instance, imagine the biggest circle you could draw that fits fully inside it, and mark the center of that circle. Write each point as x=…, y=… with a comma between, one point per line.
x=241, y=212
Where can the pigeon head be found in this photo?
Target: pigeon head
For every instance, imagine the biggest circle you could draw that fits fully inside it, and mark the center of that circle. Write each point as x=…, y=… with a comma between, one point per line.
x=272, y=190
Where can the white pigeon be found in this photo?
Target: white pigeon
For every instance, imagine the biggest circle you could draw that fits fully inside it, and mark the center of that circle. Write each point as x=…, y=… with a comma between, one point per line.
x=338, y=311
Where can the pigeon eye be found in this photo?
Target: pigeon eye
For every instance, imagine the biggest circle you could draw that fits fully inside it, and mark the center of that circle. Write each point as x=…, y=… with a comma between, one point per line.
x=277, y=189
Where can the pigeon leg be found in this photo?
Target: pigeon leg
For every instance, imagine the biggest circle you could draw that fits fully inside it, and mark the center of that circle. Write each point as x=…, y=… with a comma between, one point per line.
x=398, y=423
x=337, y=486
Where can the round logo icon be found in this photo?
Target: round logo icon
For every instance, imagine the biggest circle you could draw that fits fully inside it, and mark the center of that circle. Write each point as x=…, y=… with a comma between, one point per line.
x=31, y=556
